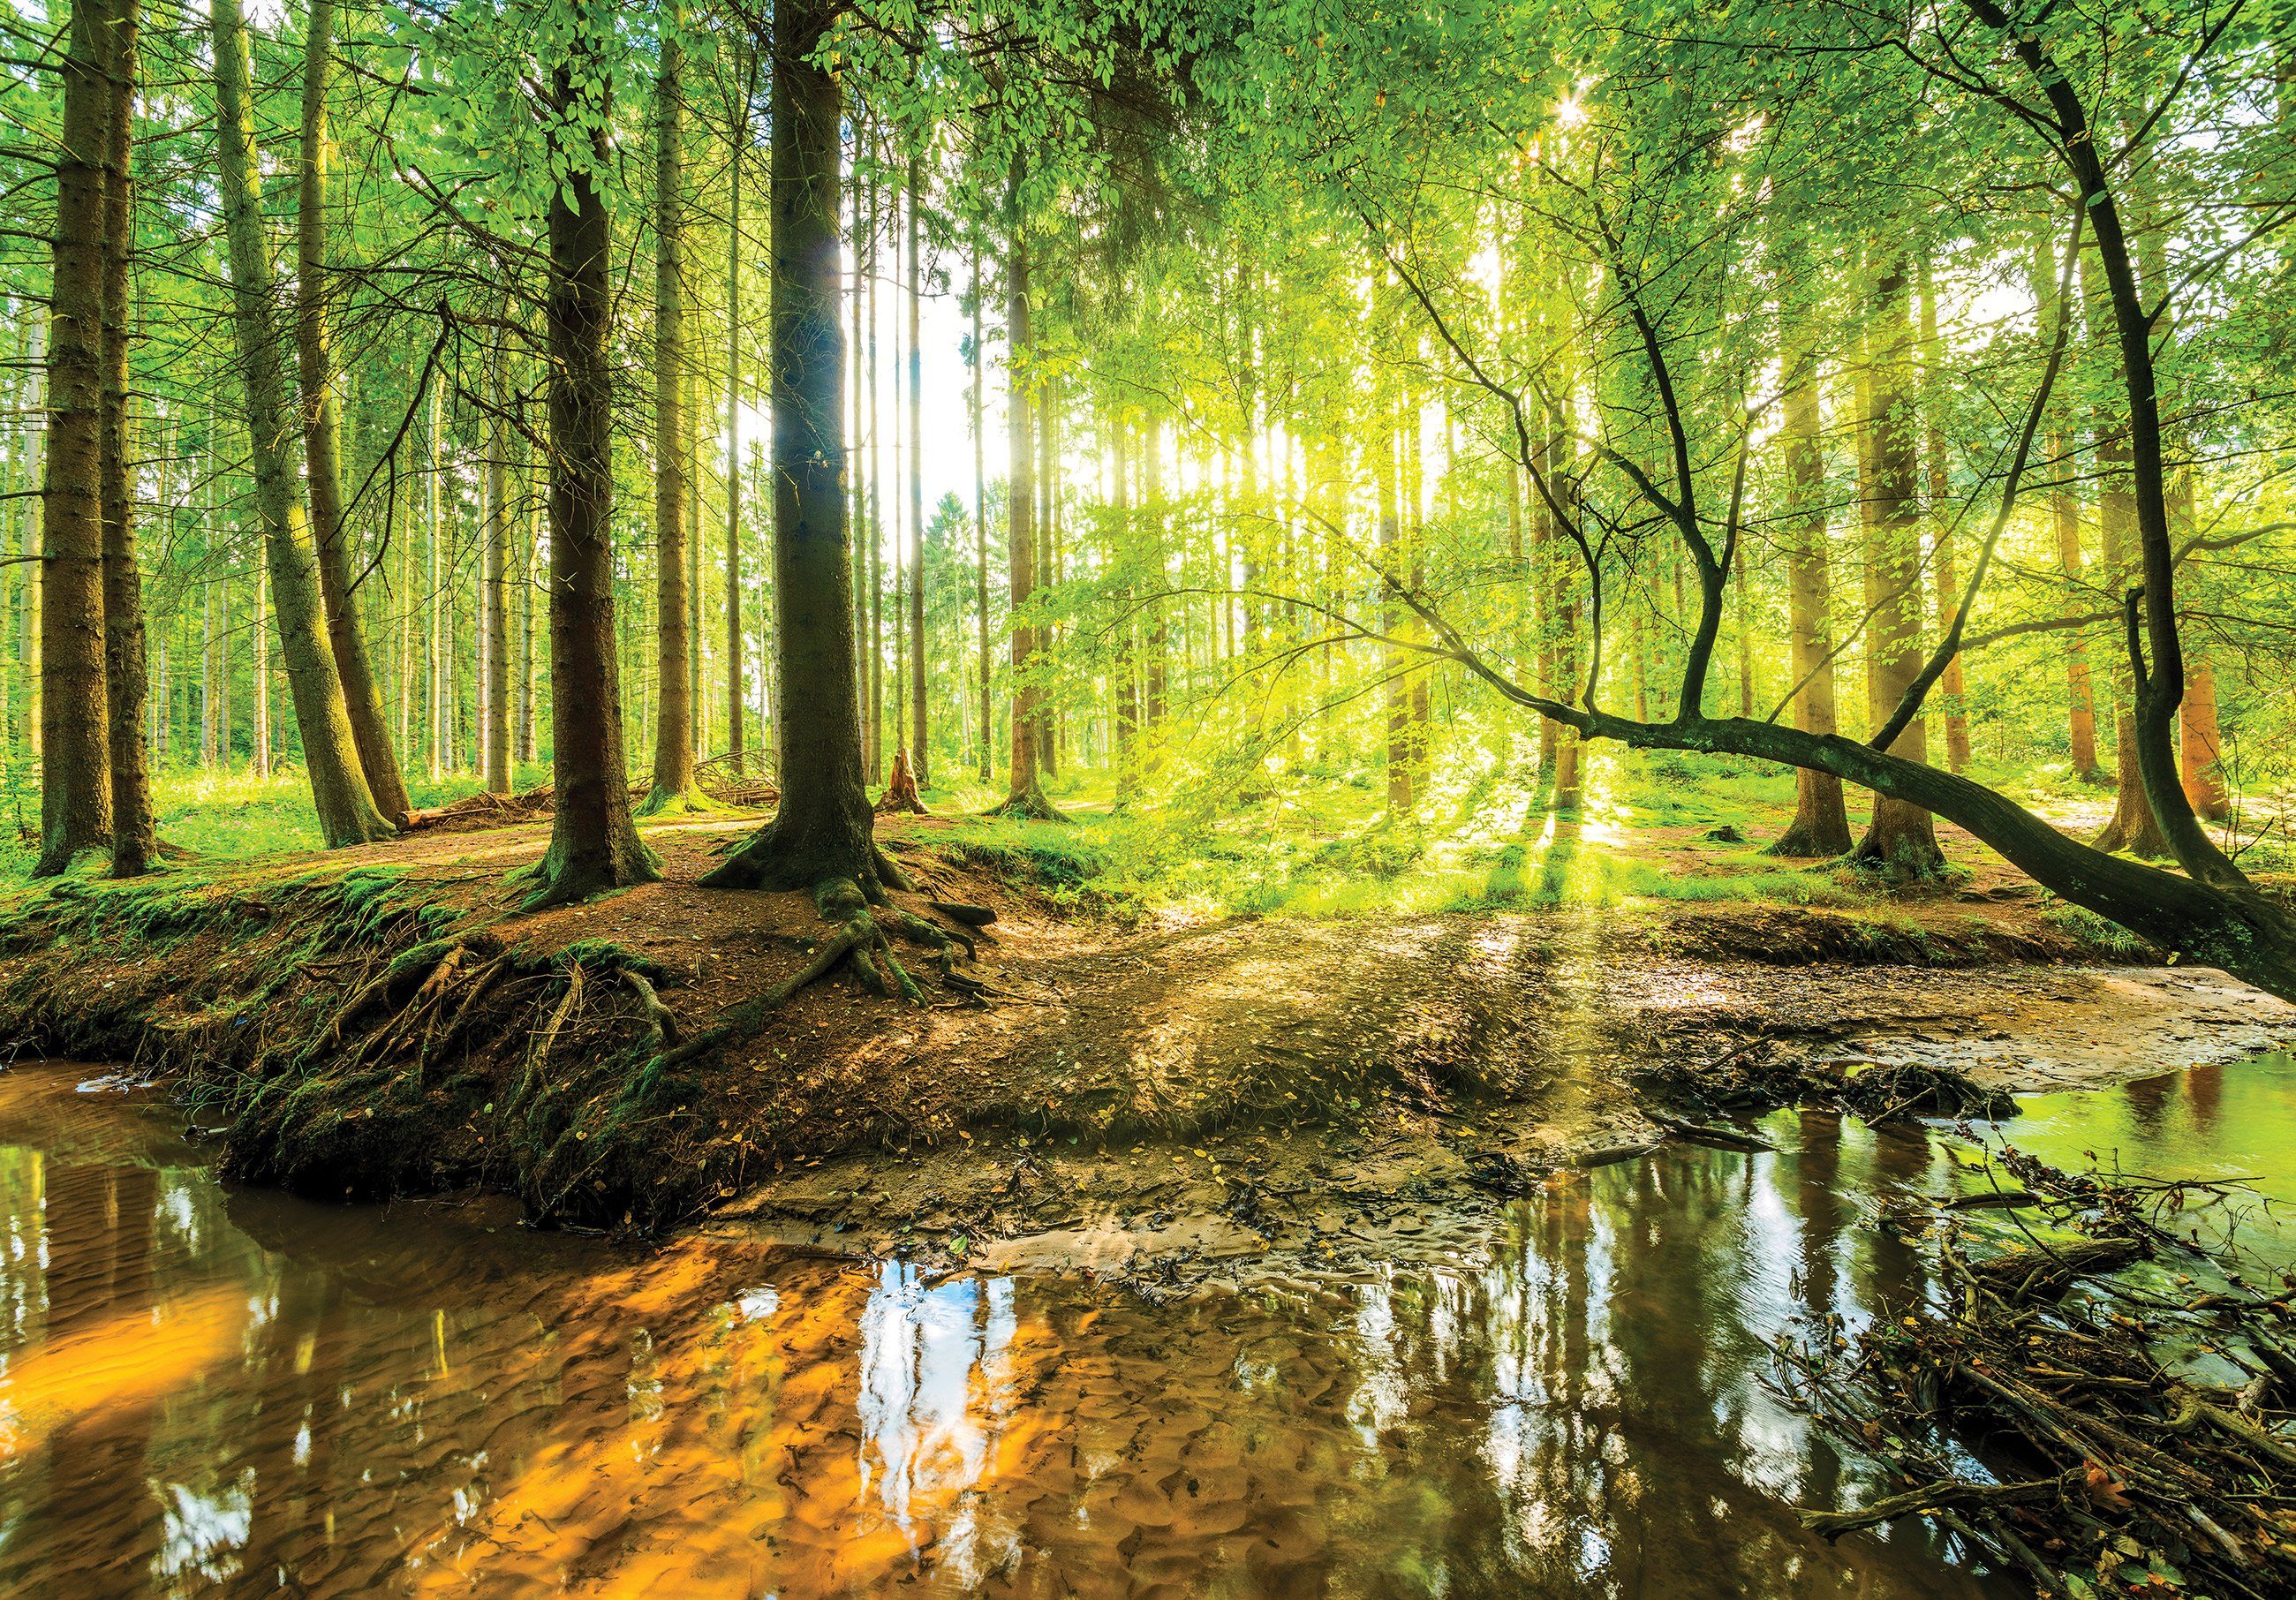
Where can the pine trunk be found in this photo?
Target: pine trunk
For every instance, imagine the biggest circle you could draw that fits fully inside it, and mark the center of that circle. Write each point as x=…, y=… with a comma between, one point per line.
x=339, y=791
x=823, y=831
x=323, y=429
x=594, y=842
x=134, y=835
x=75, y=768
x=673, y=741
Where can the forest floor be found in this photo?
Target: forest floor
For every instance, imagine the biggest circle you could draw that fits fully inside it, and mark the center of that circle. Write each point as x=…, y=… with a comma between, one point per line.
x=1160, y=1098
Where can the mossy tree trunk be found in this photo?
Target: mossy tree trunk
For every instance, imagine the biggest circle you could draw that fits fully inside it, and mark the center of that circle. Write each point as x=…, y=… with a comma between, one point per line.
x=338, y=789
x=75, y=773
x=823, y=833
x=378, y=757
x=593, y=840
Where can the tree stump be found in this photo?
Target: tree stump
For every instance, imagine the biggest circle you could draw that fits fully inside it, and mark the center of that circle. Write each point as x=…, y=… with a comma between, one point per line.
x=901, y=789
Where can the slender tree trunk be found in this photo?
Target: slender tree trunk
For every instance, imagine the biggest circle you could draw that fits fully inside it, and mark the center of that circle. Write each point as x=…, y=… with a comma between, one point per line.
x=1156, y=689
x=594, y=842
x=2132, y=826
x=434, y=631
x=1398, y=691
x=735, y=722
x=323, y=427
x=674, y=787
x=1951, y=686
x=134, y=835
x=920, y=729
x=259, y=680
x=1821, y=822
x=821, y=836
x=874, y=748
x=1900, y=837
x=494, y=563
x=531, y=563
x=1024, y=789
x=346, y=807
x=75, y=769
x=981, y=525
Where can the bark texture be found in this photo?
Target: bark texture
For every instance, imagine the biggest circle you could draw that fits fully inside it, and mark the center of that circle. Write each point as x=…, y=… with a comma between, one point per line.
x=75, y=776
x=378, y=756
x=594, y=840
x=673, y=788
x=823, y=833
x=134, y=835
x=338, y=789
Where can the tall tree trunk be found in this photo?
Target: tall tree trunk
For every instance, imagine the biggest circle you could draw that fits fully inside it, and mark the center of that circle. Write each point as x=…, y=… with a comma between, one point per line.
x=135, y=836
x=674, y=787
x=1392, y=665
x=1951, y=686
x=920, y=727
x=734, y=720
x=594, y=842
x=346, y=807
x=874, y=748
x=1157, y=690
x=259, y=679
x=494, y=562
x=530, y=561
x=2132, y=827
x=1900, y=837
x=981, y=525
x=75, y=774
x=1024, y=788
x=1821, y=822
x=2064, y=514
x=323, y=429
x=434, y=630
x=821, y=834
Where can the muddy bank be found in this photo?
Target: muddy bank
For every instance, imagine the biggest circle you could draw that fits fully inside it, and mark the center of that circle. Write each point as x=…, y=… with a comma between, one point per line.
x=1164, y=1106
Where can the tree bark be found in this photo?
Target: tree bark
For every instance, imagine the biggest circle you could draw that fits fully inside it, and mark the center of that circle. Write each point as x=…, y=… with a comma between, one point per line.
x=735, y=723
x=594, y=842
x=981, y=528
x=493, y=612
x=920, y=727
x=75, y=774
x=1900, y=837
x=1821, y=822
x=134, y=835
x=1947, y=583
x=674, y=787
x=823, y=830
x=2132, y=826
x=339, y=791
x=1024, y=787
x=323, y=429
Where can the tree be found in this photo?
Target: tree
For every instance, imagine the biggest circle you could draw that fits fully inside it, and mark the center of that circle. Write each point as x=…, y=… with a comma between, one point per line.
x=134, y=835
x=338, y=789
x=593, y=840
x=321, y=420
x=822, y=837
x=75, y=773
x=674, y=786
x=1024, y=794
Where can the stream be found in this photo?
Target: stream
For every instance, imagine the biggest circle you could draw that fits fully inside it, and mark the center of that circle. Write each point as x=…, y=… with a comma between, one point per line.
x=206, y=1390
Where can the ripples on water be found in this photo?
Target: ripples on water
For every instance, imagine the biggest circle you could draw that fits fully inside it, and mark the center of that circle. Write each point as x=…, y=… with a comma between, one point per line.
x=212, y=1391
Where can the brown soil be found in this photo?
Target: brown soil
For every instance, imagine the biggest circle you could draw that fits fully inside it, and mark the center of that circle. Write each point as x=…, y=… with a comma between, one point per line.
x=1162, y=1105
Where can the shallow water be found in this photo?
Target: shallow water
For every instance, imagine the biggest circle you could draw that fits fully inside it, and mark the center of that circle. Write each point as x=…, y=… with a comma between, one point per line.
x=206, y=1390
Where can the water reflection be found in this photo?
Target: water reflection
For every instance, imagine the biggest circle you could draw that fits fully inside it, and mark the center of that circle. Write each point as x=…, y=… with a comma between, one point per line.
x=209, y=1392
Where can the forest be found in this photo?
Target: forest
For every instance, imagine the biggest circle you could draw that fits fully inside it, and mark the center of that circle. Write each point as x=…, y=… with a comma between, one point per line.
x=835, y=631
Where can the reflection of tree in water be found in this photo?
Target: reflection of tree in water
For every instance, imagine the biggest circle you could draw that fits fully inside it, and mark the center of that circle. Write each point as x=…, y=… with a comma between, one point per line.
x=1587, y=1415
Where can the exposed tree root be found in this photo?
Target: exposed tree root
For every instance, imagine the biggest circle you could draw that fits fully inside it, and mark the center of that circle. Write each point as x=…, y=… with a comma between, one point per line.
x=1029, y=805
